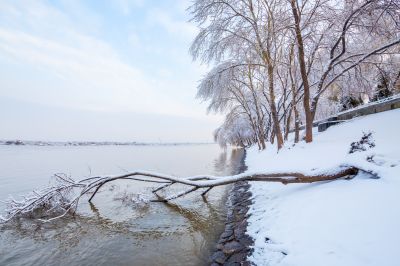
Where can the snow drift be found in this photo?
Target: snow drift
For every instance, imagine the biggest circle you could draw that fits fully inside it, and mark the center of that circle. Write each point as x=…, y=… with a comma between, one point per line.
x=341, y=222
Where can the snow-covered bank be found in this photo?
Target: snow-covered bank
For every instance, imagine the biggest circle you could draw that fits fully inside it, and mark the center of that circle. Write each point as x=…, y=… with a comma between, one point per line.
x=344, y=222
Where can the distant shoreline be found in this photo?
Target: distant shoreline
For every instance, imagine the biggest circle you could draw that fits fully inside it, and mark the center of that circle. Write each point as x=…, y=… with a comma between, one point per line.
x=95, y=143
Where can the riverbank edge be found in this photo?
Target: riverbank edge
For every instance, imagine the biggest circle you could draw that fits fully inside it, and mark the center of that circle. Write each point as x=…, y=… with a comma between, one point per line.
x=233, y=246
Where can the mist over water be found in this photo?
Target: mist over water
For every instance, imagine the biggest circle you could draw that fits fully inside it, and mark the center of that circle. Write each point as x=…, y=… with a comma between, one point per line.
x=108, y=231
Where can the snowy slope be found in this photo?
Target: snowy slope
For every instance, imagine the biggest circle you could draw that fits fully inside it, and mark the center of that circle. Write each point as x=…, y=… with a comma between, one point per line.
x=345, y=222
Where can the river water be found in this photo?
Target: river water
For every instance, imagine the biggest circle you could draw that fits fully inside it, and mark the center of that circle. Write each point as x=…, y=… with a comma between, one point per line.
x=109, y=232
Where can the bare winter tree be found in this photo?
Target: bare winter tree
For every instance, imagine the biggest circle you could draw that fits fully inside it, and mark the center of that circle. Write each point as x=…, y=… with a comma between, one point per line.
x=236, y=130
x=350, y=35
x=297, y=50
x=63, y=197
x=244, y=31
x=234, y=87
x=274, y=60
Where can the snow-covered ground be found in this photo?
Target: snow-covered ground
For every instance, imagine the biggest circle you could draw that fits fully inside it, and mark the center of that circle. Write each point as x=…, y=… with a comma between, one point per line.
x=344, y=222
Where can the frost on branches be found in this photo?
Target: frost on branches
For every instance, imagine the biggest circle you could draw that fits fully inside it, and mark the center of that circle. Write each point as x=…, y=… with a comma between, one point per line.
x=283, y=64
x=62, y=198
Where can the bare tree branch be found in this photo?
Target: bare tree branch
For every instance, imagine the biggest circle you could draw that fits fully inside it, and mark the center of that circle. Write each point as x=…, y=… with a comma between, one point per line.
x=61, y=199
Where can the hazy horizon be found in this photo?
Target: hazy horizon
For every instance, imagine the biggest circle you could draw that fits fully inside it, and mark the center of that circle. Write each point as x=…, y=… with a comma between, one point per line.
x=100, y=71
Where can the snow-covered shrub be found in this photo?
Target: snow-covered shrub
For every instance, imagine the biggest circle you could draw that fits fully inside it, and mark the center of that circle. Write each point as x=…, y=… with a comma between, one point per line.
x=366, y=142
x=349, y=101
x=382, y=89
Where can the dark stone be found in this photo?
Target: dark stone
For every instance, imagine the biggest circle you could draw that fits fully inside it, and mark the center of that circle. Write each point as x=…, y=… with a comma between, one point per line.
x=247, y=194
x=240, y=232
x=232, y=237
x=215, y=264
x=218, y=257
x=220, y=246
x=225, y=240
x=236, y=258
x=232, y=264
x=232, y=247
x=230, y=217
x=246, y=240
x=227, y=233
x=229, y=226
x=242, y=225
x=244, y=203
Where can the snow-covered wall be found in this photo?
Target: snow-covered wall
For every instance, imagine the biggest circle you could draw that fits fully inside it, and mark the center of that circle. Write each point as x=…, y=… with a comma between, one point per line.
x=383, y=105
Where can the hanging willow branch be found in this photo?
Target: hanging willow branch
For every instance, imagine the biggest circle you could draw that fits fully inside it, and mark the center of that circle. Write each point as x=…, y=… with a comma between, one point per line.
x=62, y=198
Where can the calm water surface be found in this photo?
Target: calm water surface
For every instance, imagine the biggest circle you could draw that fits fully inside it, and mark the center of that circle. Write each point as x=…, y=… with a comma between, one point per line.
x=109, y=232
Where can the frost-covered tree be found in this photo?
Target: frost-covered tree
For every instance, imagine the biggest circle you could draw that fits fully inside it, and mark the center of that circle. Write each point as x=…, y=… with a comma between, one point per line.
x=232, y=88
x=349, y=33
x=296, y=51
x=236, y=130
x=246, y=31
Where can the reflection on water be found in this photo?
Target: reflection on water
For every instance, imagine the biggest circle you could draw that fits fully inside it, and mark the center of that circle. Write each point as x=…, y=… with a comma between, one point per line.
x=106, y=232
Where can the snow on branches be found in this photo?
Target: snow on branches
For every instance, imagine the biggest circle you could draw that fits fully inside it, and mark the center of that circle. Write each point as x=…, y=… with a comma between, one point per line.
x=62, y=198
x=286, y=63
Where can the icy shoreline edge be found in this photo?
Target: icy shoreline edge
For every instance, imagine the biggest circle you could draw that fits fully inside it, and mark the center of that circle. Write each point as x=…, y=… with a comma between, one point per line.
x=233, y=246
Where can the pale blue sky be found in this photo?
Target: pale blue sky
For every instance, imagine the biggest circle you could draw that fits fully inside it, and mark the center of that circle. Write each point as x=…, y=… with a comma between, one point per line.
x=99, y=70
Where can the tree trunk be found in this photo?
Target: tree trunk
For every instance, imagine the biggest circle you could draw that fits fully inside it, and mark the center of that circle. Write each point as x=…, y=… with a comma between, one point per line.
x=272, y=137
x=293, y=86
x=296, y=125
x=303, y=71
x=287, y=128
x=274, y=112
x=92, y=185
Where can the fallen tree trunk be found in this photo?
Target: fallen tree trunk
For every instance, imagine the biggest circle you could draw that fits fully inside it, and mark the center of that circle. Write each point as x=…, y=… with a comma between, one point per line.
x=59, y=200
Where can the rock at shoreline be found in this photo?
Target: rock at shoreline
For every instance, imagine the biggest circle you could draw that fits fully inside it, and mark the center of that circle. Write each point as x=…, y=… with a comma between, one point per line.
x=234, y=245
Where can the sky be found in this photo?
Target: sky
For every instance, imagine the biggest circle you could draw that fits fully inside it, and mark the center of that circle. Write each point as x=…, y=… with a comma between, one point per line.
x=100, y=70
